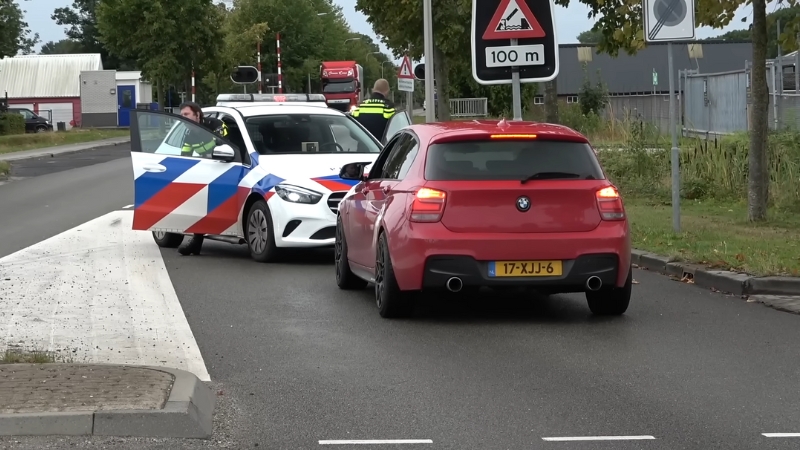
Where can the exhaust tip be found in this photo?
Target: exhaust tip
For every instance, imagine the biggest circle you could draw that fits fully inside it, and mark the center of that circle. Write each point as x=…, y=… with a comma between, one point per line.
x=594, y=283
x=454, y=284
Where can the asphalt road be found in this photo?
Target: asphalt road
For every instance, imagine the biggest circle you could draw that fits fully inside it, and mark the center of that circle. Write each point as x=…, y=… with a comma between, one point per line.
x=296, y=361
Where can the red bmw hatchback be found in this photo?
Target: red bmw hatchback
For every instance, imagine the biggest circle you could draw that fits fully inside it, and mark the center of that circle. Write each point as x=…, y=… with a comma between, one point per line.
x=459, y=205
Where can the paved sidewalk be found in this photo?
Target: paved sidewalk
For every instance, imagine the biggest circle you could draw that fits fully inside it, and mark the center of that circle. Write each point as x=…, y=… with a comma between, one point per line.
x=99, y=399
x=62, y=149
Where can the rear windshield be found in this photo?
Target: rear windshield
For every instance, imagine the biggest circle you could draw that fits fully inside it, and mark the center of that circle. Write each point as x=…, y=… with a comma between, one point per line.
x=511, y=160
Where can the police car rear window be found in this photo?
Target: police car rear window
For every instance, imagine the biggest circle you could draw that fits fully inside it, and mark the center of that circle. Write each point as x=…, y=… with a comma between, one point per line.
x=308, y=133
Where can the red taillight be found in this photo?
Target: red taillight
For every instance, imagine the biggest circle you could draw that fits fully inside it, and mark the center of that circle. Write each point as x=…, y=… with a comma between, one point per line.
x=428, y=205
x=513, y=136
x=610, y=204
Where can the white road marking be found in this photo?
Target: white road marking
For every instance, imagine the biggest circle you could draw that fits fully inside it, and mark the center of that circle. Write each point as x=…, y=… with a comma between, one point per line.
x=376, y=441
x=597, y=438
x=127, y=207
x=781, y=434
x=98, y=293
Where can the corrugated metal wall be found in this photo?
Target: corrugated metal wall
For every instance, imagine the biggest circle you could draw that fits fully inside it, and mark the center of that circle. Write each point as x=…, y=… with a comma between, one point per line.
x=715, y=104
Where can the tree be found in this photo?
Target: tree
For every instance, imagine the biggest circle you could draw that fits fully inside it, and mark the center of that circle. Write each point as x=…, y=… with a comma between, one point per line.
x=15, y=36
x=590, y=37
x=786, y=16
x=81, y=23
x=64, y=46
x=163, y=44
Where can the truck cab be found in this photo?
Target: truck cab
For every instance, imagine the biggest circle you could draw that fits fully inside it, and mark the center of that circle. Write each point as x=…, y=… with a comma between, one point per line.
x=342, y=84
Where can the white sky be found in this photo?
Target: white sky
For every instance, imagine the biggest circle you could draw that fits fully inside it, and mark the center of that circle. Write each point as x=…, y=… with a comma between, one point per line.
x=569, y=21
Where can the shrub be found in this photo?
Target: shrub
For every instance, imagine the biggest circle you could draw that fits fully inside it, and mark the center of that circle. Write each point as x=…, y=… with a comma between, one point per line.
x=11, y=123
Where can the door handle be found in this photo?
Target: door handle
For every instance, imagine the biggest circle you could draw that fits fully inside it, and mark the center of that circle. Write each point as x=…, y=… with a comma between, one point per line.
x=154, y=168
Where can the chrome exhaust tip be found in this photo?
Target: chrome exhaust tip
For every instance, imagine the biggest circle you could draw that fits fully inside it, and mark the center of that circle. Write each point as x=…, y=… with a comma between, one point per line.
x=454, y=284
x=594, y=283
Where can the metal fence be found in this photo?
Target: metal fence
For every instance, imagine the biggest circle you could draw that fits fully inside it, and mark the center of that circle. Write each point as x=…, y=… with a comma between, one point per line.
x=715, y=103
x=652, y=108
x=469, y=107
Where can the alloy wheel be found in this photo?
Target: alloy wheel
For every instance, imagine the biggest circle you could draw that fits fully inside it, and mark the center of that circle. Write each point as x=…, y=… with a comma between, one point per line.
x=380, y=267
x=257, y=230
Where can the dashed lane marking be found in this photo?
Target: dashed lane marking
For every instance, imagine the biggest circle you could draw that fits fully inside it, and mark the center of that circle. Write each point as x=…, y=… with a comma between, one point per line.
x=376, y=441
x=127, y=207
x=781, y=435
x=597, y=438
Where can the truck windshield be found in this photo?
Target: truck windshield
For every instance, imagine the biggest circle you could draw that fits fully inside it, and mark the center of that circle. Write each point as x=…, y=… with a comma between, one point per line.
x=309, y=133
x=333, y=87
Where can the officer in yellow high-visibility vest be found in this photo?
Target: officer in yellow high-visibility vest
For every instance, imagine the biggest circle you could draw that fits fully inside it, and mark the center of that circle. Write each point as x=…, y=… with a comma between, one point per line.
x=375, y=112
x=202, y=144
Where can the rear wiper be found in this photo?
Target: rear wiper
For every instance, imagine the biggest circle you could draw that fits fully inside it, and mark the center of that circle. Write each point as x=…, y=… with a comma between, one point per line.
x=549, y=176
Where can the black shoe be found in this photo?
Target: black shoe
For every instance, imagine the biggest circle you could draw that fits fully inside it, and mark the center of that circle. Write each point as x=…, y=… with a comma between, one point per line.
x=192, y=246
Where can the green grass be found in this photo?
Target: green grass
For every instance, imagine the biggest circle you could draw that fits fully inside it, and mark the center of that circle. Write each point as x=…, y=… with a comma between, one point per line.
x=29, y=141
x=5, y=168
x=717, y=234
x=19, y=357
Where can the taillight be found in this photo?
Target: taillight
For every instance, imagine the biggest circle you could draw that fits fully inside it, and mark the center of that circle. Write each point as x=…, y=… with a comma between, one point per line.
x=428, y=205
x=513, y=136
x=610, y=204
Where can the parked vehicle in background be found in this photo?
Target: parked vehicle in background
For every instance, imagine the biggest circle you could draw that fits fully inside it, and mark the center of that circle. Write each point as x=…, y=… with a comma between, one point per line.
x=461, y=205
x=34, y=123
x=342, y=84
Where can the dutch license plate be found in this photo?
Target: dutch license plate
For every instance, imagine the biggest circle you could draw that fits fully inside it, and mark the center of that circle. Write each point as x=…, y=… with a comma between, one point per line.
x=525, y=269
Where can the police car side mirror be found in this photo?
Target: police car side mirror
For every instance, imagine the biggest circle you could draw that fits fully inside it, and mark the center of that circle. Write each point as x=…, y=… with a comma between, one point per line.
x=224, y=153
x=353, y=171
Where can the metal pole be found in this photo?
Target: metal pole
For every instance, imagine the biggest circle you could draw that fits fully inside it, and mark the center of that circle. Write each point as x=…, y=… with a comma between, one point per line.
x=280, y=76
x=676, y=174
x=410, y=105
x=259, y=67
x=797, y=67
x=430, y=111
x=516, y=93
x=779, y=71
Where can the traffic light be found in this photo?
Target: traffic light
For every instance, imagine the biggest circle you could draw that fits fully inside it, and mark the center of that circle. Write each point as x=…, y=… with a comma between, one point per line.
x=244, y=75
x=419, y=71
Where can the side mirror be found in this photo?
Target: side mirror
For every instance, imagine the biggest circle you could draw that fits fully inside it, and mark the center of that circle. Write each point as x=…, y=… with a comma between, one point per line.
x=353, y=171
x=223, y=153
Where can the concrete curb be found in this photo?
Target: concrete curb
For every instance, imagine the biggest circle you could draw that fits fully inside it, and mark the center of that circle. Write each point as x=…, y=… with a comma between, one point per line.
x=188, y=413
x=50, y=152
x=724, y=281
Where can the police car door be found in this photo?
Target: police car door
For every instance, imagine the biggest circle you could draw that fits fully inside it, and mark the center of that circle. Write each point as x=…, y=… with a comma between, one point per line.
x=398, y=121
x=183, y=194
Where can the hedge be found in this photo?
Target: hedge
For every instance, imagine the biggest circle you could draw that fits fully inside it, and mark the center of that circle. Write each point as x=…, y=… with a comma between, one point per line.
x=11, y=123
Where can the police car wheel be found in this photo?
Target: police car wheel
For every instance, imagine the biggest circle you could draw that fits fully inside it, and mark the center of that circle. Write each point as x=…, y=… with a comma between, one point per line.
x=167, y=240
x=259, y=233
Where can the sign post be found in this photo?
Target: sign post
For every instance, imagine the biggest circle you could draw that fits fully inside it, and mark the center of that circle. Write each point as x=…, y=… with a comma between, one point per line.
x=514, y=42
x=668, y=21
x=405, y=83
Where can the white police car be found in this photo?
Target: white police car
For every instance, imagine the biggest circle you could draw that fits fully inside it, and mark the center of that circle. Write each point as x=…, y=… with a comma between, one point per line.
x=272, y=183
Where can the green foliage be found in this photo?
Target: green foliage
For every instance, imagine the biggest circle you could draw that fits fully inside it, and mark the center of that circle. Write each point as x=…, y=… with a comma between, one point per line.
x=592, y=99
x=80, y=21
x=789, y=28
x=591, y=36
x=11, y=123
x=15, y=36
x=64, y=46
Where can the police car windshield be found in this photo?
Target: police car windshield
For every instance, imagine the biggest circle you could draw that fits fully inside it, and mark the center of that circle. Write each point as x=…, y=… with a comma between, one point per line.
x=335, y=88
x=308, y=133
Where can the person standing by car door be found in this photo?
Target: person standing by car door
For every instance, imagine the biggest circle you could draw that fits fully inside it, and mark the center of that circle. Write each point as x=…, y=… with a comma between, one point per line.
x=374, y=113
x=203, y=147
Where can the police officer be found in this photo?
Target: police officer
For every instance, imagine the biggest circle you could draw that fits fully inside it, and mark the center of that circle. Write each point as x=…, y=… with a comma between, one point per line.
x=203, y=145
x=375, y=112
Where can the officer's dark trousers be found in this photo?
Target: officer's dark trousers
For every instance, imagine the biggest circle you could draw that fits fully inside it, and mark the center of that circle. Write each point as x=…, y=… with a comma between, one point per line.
x=192, y=246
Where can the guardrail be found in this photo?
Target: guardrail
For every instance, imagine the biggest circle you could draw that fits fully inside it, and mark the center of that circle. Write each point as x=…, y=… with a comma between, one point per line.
x=469, y=107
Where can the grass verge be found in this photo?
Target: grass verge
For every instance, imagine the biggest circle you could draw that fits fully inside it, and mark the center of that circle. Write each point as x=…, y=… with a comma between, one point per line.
x=32, y=357
x=5, y=168
x=30, y=141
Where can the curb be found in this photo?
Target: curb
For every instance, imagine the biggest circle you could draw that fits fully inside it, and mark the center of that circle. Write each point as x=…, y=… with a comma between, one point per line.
x=724, y=281
x=10, y=158
x=188, y=413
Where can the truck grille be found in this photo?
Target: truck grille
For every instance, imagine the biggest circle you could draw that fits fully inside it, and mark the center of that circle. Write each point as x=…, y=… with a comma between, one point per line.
x=334, y=199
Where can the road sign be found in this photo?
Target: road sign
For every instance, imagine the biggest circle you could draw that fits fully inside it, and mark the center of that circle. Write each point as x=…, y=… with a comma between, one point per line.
x=668, y=20
x=513, y=20
x=405, y=76
x=531, y=24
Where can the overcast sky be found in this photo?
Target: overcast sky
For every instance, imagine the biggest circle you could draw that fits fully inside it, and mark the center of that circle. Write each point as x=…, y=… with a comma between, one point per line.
x=569, y=21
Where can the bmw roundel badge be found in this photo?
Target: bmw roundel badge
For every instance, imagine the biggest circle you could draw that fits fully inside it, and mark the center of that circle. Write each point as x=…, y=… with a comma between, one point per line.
x=523, y=203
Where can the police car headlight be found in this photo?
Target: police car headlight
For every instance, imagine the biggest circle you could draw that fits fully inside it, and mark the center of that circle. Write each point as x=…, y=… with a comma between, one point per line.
x=296, y=194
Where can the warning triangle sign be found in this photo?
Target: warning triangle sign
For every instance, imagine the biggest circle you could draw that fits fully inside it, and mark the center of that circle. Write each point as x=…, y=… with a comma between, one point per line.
x=405, y=69
x=513, y=20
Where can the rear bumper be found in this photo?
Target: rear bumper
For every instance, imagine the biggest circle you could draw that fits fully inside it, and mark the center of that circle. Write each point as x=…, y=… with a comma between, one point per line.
x=439, y=269
x=427, y=255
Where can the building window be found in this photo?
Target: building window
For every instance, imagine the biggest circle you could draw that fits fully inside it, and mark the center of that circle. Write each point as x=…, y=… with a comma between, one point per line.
x=538, y=100
x=572, y=99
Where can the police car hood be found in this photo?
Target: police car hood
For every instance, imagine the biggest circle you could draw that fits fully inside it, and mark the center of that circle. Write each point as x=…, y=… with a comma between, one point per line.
x=310, y=170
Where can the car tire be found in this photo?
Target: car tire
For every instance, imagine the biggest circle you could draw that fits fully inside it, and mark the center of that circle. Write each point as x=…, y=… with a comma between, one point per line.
x=611, y=301
x=41, y=129
x=168, y=240
x=259, y=233
x=345, y=278
x=391, y=301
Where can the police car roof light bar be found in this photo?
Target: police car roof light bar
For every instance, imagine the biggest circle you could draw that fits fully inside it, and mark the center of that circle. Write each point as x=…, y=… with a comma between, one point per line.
x=270, y=98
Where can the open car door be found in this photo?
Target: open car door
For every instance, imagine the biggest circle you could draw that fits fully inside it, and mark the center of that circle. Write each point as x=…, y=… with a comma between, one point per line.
x=183, y=194
x=400, y=120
